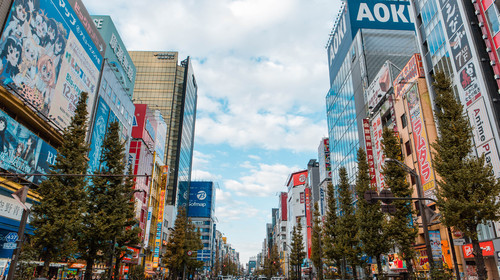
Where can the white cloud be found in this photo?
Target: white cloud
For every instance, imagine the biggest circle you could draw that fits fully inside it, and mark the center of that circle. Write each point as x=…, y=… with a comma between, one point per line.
x=254, y=157
x=264, y=180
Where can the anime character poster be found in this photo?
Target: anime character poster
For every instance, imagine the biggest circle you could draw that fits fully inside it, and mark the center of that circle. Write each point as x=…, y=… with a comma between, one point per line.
x=21, y=150
x=48, y=58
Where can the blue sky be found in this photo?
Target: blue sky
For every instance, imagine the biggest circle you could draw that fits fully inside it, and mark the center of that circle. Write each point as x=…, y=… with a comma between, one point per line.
x=261, y=67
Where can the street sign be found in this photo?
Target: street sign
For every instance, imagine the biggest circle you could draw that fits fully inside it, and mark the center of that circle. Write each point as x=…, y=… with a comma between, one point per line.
x=189, y=253
x=9, y=245
x=11, y=237
x=459, y=241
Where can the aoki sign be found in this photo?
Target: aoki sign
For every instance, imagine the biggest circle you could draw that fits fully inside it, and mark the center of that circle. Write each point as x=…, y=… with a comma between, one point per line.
x=364, y=14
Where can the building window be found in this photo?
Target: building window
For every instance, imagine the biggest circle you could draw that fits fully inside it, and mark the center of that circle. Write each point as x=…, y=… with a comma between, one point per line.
x=403, y=120
x=408, y=148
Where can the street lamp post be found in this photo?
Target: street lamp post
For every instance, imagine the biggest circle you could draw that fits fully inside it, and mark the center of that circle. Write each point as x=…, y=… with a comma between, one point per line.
x=420, y=206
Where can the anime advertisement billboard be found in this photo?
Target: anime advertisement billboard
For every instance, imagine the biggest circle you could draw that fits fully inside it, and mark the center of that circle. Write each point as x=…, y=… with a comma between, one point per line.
x=21, y=151
x=49, y=57
x=98, y=134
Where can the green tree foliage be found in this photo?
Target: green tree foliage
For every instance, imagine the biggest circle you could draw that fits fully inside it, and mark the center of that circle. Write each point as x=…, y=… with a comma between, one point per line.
x=331, y=227
x=400, y=228
x=184, y=238
x=26, y=267
x=316, y=250
x=272, y=262
x=371, y=221
x=297, y=253
x=58, y=217
x=193, y=244
x=347, y=241
x=136, y=272
x=128, y=236
x=468, y=190
x=175, y=255
x=110, y=212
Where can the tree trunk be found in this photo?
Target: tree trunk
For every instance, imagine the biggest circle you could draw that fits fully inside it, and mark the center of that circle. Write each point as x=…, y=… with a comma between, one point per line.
x=380, y=270
x=354, y=271
x=409, y=265
x=46, y=265
x=478, y=257
x=117, y=266
x=88, y=269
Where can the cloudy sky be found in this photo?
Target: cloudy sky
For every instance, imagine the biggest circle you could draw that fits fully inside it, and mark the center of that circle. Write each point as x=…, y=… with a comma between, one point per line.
x=261, y=68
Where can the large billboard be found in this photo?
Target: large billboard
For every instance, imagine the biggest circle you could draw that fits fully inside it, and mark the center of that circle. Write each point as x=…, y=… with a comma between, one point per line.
x=379, y=87
x=116, y=53
x=22, y=151
x=365, y=14
x=201, y=200
x=421, y=142
x=98, y=134
x=49, y=57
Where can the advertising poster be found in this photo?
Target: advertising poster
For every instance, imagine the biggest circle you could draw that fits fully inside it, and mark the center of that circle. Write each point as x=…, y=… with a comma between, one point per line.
x=469, y=83
x=116, y=52
x=21, y=150
x=422, y=261
x=378, y=153
x=49, y=57
x=47, y=157
x=421, y=142
x=156, y=254
x=98, y=134
x=379, y=87
x=435, y=240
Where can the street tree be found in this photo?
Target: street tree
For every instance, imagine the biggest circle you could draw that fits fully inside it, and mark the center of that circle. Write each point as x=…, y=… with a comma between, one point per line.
x=109, y=214
x=297, y=253
x=57, y=219
x=193, y=244
x=128, y=235
x=272, y=262
x=370, y=219
x=330, y=231
x=347, y=241
x=316, y=249
x=468, y=191
x=175, y=255
x=400, y=229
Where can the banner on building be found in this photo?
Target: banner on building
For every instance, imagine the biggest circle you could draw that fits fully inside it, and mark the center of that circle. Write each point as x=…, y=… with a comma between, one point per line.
x=421, y=142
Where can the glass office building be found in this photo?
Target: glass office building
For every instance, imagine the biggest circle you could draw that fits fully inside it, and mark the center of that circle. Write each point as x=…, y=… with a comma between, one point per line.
x=360, y=43
x=169, y=86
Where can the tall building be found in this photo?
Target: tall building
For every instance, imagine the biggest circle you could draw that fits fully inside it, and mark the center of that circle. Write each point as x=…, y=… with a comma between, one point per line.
x=364, y=36
x=460, y=38
x=165, y=85
x=202, y=213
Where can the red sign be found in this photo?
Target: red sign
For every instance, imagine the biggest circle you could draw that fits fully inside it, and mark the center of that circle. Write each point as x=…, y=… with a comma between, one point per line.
x=299, y=178
x=486, y=247
x=308, y=221
x=369, y=152
x=490, y=41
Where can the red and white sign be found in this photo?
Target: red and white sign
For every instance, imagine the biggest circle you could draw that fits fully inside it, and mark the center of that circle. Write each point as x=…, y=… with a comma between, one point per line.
x=299, y=178
x=377, y=131
x=421, y=142
x=480, y=122
x=490, y=152
x=308, y=221
x=369, y=152
x=486, y=247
